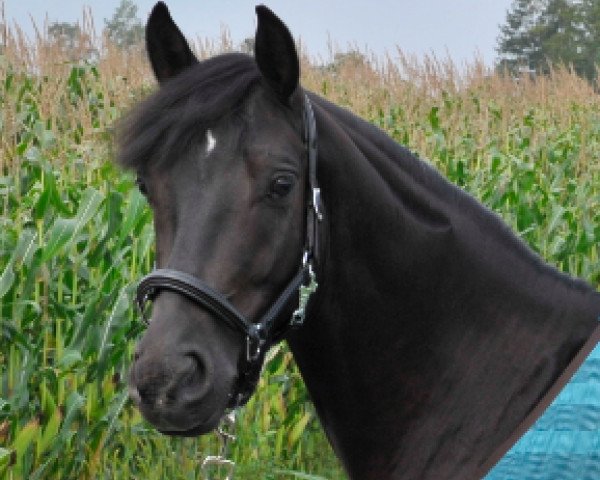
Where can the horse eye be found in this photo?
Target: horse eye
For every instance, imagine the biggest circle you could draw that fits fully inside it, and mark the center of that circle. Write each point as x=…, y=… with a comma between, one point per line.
x=281, y=186
x=141, y=185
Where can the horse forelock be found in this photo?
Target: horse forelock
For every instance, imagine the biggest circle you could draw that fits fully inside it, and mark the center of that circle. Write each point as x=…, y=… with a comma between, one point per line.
x=166, y=124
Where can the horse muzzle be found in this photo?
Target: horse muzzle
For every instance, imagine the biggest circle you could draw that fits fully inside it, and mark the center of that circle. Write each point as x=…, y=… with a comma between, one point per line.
x=177, y=380
x=176, y=393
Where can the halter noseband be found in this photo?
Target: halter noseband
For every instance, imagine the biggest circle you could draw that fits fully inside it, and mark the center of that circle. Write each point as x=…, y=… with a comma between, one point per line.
x=271, y=327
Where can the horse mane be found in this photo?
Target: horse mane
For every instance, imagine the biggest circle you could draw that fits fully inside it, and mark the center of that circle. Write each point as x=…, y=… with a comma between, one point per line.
x=395, y=165
x=168, y=122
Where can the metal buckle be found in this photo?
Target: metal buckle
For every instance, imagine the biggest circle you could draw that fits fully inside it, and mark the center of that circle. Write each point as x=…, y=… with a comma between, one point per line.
x=254, y=343
x=304, y=293
x=142, y=306
x=316, y=203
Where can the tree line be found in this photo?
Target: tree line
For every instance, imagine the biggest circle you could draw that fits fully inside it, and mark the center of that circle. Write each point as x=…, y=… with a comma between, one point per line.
x=539, y=33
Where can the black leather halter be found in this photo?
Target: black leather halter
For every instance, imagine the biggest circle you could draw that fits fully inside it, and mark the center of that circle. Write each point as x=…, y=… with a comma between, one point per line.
x=272, y=326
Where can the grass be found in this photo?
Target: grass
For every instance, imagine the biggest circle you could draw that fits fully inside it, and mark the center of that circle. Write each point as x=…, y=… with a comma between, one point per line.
x=76, y=235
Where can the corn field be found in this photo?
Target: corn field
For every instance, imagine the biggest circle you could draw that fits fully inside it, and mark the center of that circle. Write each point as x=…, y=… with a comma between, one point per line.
x=76, y=235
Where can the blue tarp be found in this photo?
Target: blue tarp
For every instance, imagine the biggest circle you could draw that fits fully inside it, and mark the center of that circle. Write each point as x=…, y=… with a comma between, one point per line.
x=564, y=444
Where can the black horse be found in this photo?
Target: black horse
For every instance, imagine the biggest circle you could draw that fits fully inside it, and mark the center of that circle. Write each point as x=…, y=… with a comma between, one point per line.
x=435, y=337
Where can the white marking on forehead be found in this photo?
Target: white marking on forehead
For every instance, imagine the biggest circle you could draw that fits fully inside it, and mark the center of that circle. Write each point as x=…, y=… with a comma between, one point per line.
x=211, y=141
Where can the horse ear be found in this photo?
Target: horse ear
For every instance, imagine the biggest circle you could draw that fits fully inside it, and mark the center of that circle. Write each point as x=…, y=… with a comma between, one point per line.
x=167, y=48
x=275, y=53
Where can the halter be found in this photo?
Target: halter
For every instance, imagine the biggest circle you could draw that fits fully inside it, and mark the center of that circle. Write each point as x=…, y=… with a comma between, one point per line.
x=271, y=327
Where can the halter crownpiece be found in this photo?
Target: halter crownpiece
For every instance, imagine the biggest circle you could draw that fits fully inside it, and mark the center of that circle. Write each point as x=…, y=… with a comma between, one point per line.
x=271, y=327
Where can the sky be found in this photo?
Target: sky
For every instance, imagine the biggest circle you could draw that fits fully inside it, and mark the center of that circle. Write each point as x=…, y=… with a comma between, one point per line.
x=461, y=29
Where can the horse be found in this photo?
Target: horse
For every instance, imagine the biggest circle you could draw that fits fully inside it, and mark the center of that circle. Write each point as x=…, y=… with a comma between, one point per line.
x=428, y=335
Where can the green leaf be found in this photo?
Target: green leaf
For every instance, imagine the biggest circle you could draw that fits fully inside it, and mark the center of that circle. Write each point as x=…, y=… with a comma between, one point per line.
x=136, y=207
x=50, y=432
x=434, y=119
x=117, y=313
x=557, y=213
x=41, y=206
x=5, y=459
x=90, y=202
x=64, y=230
x=26, y=247
x=74, y=403
x=299, y=428
x=25, y=437
x=61, y=232
x=23, y=252
x=70, y=358
x=7, y=279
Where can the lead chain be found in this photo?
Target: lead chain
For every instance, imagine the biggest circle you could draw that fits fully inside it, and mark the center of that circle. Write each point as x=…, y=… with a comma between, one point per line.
x=225, y=433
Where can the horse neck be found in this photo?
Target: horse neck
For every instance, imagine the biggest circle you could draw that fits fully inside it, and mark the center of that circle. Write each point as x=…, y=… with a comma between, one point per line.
x=435, y=331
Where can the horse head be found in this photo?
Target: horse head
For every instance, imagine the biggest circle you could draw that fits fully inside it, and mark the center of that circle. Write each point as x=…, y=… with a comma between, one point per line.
x=220, y=153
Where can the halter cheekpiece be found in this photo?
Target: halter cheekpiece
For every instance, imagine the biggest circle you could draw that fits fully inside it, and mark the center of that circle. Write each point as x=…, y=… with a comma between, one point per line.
x=271, y=327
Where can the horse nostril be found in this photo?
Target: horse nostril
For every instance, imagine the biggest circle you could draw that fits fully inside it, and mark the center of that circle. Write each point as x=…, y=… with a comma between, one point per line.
x=145, y=394
x=196, y=378
x=174, y=380
x=147, y=380
x=198, y=368
x=149, y=392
